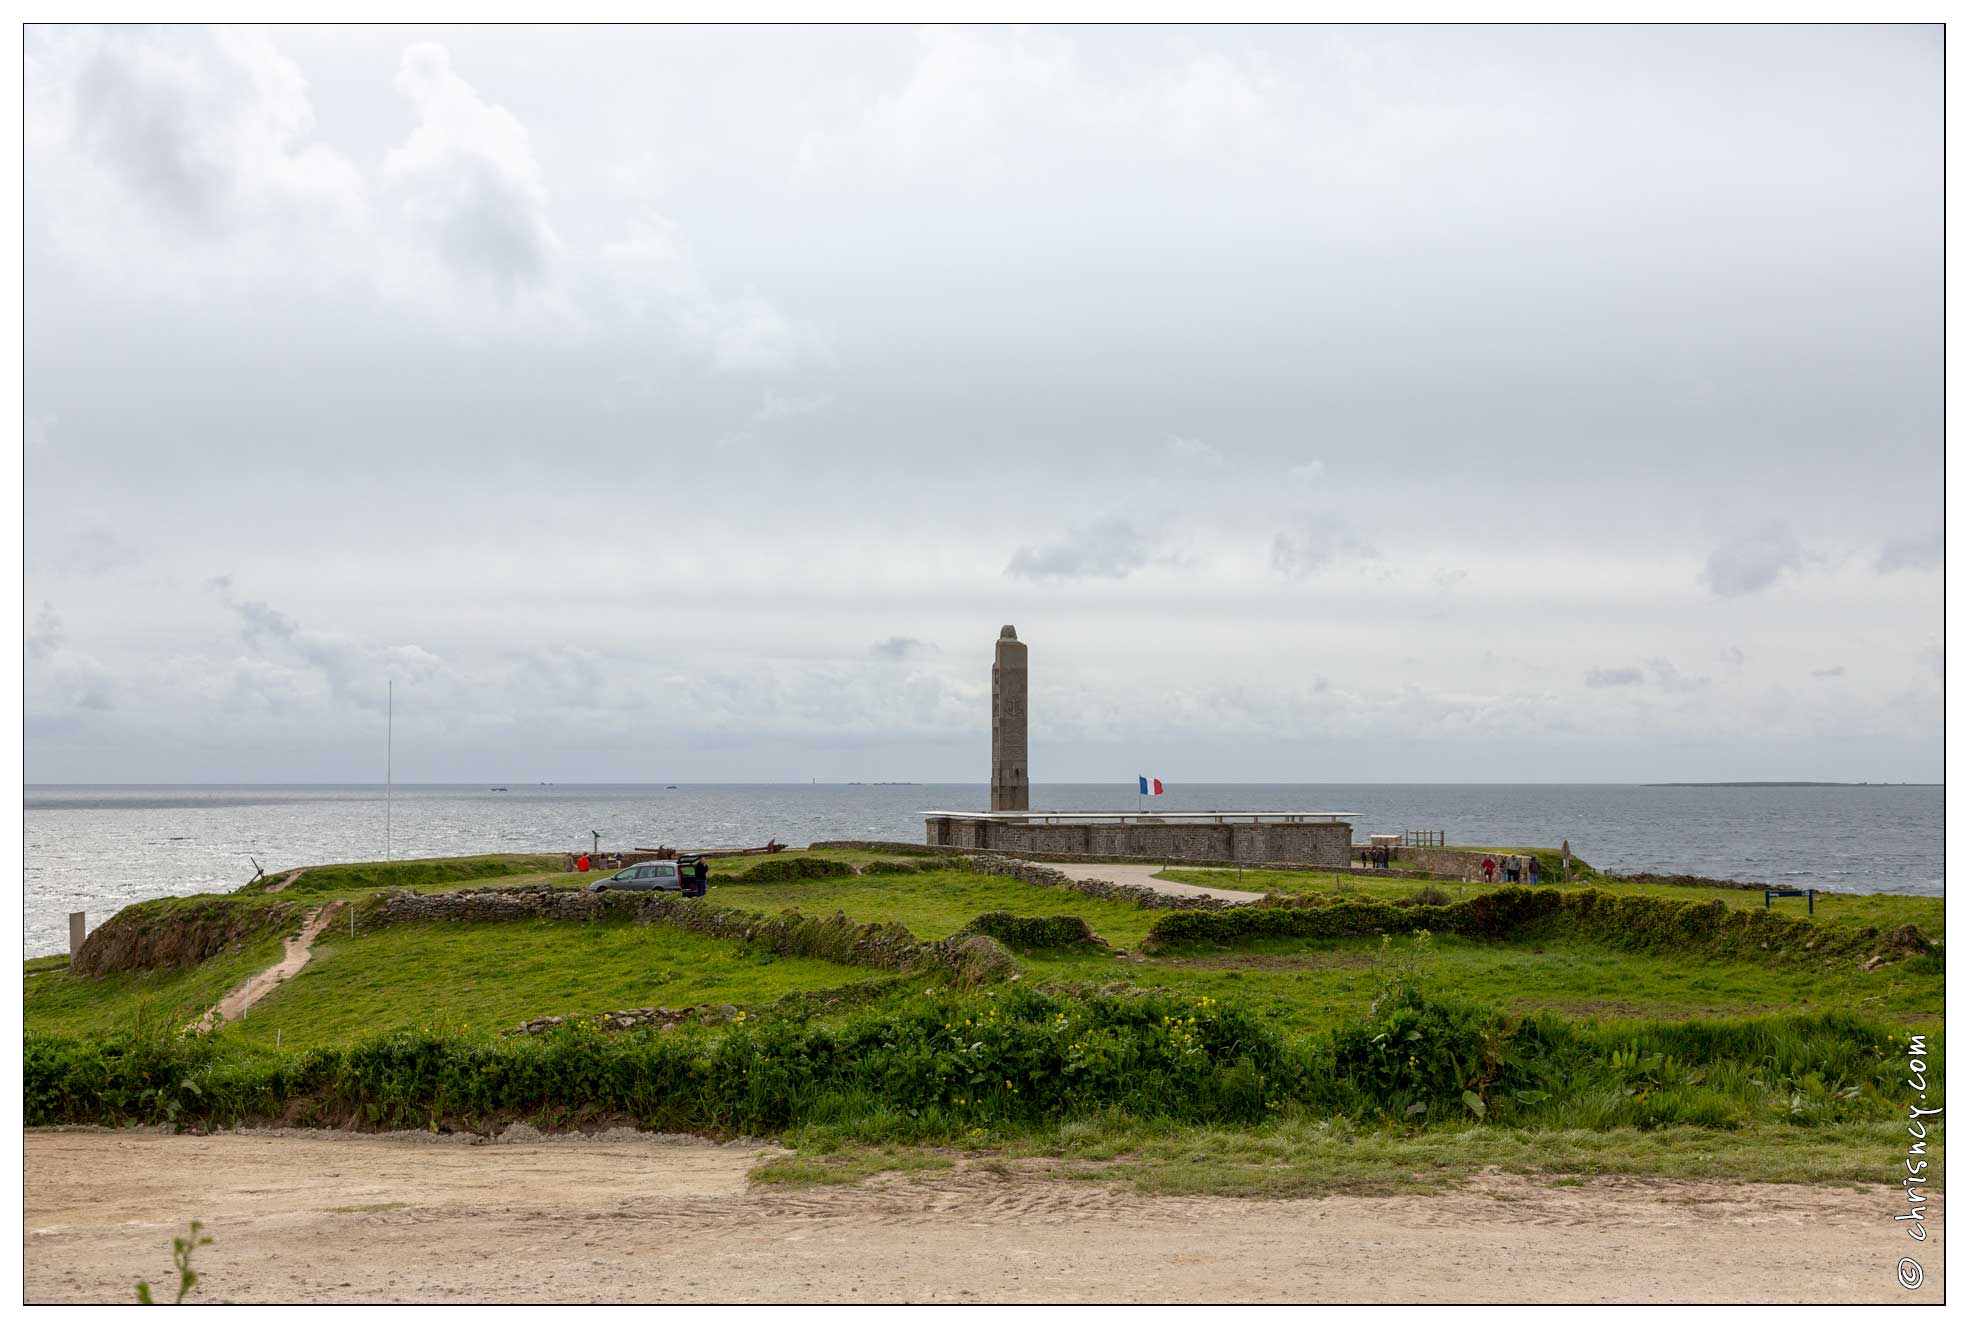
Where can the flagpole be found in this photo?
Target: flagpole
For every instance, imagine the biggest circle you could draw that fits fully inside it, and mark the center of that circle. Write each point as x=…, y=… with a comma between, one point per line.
x=389, y=768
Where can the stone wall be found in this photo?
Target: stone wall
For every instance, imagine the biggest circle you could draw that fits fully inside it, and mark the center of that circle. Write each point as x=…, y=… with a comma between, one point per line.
x=837, y=938
x=878, y=847
x=503, y=904
x=1319, y=844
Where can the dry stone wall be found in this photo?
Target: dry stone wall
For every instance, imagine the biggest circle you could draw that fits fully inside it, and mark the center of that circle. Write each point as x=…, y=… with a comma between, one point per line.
x=837, y=938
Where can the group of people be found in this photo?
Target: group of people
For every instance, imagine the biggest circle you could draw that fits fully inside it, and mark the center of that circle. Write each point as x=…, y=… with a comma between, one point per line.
x=1375, y=856
x=1522, y=868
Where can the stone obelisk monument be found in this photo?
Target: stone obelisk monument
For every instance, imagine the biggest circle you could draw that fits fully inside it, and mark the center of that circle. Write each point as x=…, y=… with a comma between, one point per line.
x=1010, y=790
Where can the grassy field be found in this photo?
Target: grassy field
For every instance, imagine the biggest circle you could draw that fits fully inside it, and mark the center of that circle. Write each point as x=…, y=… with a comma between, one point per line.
x=936, y=904
x=485, y=979
x=58, y=1001
x=478, y=981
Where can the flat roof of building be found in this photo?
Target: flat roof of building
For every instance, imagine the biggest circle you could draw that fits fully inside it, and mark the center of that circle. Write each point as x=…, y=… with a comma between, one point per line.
x=1218, y=815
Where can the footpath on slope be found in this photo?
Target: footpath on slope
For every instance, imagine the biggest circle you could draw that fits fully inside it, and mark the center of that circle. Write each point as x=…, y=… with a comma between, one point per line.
x=285, y=881
x=299, y=947
x=1143, y=874
x=316, y=1216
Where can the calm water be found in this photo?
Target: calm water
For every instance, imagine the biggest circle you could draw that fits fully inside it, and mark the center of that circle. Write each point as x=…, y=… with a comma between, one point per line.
x=97, y=848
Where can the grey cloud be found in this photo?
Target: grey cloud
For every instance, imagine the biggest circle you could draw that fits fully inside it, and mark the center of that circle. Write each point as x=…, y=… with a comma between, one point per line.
x=1917, y=553
x=899, y=648
x=59, y=678
x=1109, y=548
x=1835, y=671
x=353, y=674
x=1753, y=562
x=212, y=126
x=1614, y=678
x=92, y=548
x=45, y=637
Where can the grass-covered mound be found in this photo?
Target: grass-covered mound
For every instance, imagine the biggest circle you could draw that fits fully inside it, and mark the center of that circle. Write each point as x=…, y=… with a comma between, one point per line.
x=407, y=872
x=177, y=932
x=938, y=1068
x=1624, y=922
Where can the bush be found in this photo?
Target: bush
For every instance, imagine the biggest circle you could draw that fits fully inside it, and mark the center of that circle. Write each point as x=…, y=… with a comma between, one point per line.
x=1429, y=895
x=1053, y=933
x=935, y=1066
x=883, y=867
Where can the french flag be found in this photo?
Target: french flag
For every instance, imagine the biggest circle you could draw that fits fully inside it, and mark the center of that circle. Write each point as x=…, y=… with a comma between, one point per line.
x=1145, y=782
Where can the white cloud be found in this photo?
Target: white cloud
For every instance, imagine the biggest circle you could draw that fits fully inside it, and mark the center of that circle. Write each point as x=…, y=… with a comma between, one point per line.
x=1318, y=543
x=1193, y=452
x=466, y=180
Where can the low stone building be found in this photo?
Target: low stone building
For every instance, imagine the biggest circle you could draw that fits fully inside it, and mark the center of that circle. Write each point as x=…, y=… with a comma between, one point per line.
x=1323, y=839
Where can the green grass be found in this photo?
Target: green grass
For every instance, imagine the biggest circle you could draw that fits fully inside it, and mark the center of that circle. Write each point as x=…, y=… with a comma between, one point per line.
x=854, y=1164
x=59, y=1002
x=486, y=978
x=490, y=977
x=935, y=904
x=1310, y=985
x=1881, y=911
x=344, y=878
x=1305, y=1155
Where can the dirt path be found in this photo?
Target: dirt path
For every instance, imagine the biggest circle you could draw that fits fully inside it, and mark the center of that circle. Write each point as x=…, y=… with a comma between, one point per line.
x=285, y=881
x=1143, y=874
x=306, y=1216
x=235, y=1003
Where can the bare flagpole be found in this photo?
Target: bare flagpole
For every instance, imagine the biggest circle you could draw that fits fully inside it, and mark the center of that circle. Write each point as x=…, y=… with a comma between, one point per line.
x=389, y=767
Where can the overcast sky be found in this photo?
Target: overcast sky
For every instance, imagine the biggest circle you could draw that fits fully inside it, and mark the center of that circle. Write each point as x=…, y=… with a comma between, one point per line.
x=1322, y=404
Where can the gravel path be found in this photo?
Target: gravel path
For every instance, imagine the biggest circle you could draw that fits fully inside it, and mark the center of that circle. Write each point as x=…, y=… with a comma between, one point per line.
x=1143, y=874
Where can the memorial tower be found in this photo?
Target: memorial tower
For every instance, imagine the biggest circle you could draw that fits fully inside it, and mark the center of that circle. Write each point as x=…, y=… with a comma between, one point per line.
x=1010, y=788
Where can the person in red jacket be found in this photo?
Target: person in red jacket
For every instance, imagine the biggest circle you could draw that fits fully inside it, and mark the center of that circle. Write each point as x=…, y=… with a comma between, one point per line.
x=581, y=863
x=1490, y=867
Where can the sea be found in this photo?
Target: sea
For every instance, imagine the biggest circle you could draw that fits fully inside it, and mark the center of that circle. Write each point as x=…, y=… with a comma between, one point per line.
x=96, y=848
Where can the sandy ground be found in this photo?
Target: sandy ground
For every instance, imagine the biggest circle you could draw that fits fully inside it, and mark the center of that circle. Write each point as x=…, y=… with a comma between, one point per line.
x=1143, y=874
x=308, y=1216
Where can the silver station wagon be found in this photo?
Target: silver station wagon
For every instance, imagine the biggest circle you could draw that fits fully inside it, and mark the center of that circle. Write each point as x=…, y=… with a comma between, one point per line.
x=642, y=877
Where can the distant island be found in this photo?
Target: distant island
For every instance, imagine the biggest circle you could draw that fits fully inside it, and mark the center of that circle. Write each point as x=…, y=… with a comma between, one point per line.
x=1782, y=784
